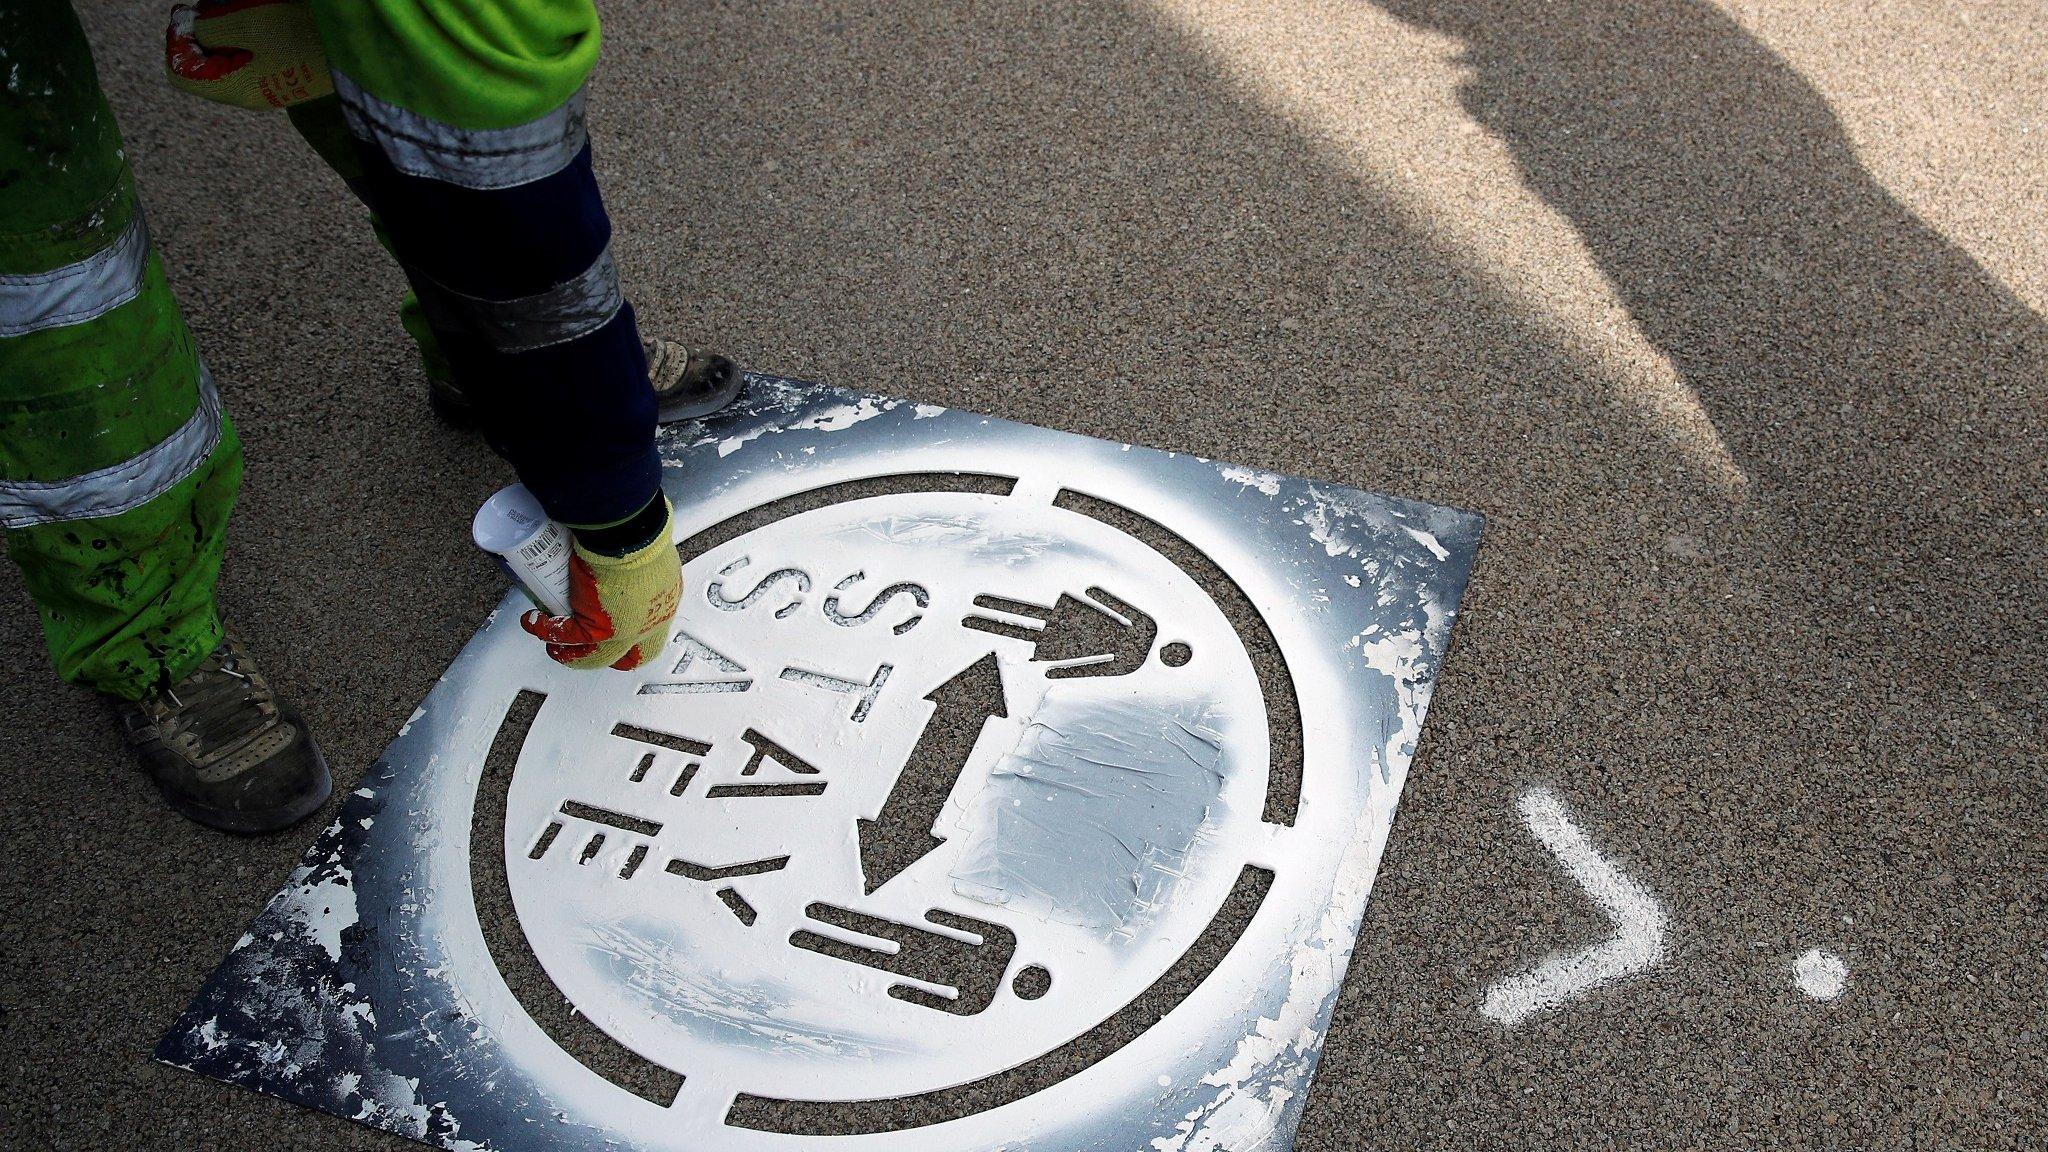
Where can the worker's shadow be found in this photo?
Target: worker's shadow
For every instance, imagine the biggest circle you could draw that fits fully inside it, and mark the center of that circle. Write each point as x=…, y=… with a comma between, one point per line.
x=1877, y=384
x=1022, y=197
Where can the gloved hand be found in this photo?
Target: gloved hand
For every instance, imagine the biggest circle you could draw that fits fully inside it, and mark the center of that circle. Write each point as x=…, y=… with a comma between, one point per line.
x=619, y=606
x=249, y=53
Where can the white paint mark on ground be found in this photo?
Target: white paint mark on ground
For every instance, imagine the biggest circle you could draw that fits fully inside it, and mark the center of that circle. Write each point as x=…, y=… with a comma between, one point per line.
x=1820, y=974
x=1636, y=946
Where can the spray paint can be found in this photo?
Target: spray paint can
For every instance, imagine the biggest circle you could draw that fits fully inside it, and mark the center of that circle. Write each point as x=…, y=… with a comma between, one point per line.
x=532, y=549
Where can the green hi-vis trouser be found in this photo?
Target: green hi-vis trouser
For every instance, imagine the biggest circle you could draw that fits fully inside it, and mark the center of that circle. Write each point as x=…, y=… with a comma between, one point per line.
x=118, y=466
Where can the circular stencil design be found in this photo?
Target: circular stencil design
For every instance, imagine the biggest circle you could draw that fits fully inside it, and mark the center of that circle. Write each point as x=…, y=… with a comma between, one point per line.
x=908, y=755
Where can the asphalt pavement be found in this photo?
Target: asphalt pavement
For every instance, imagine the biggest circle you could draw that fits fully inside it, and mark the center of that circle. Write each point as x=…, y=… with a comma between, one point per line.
x=1727, y=316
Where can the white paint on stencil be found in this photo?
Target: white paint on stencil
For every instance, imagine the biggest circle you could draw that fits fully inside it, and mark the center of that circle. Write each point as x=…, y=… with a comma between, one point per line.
x=841, y=417
x=1820, y=974
x=1400, y=657
x=1427, y=540
x=1392, y=654
x=1239, y=1066
x=1636, y=946
x=1266, y=482
x=837, y=418
x=326, y=908
x=1259, y=1081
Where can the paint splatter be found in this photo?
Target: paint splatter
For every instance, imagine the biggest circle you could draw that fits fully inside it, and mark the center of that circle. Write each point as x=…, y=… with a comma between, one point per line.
x=1820, y=974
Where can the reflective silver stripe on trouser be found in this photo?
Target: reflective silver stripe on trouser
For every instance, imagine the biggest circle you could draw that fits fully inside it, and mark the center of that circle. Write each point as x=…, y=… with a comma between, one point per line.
x=77, y=292
x=120, y=487
x=480, y=158
x=576, y=307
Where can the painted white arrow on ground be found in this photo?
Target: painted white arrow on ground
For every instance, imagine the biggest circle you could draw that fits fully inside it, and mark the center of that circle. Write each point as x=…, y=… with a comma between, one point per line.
x=1636, y=946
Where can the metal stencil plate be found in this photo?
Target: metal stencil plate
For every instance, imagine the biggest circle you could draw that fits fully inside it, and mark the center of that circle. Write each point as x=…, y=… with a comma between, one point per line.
x=1002, y=789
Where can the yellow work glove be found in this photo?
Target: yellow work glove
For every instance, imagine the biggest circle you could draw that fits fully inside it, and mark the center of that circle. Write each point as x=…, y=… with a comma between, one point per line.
x=249, y=53
x=619, y=606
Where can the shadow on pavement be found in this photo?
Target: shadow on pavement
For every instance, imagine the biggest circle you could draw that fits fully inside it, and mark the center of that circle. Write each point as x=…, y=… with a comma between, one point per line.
x=1069, y=214
x=1807, y=718
x=1882, y=388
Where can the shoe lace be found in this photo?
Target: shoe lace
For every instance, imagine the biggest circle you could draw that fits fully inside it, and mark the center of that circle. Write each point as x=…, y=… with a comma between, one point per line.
x=667, y=360
x=219, y=704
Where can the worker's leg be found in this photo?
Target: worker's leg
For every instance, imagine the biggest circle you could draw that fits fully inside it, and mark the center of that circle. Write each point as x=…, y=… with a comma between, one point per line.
x=320, y=124
x=468, y=118
x=117, y=466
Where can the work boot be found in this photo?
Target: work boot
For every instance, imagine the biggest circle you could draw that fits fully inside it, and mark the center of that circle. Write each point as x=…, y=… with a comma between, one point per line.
x=222, y=749
x=688, y=384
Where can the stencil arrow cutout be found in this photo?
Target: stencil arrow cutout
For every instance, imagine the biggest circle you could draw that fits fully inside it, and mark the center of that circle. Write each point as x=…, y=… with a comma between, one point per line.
x=901, y=834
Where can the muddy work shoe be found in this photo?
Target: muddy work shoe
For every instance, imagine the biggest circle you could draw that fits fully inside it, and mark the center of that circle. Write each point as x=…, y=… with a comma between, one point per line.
x=222, y=749
x=689, y=383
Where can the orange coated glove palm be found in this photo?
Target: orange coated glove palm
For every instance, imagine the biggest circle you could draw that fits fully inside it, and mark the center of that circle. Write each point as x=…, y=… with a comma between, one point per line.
x=249, y=53
x=619, y=606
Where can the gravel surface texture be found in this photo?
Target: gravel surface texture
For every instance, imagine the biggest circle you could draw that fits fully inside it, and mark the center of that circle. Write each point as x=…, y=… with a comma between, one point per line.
x=1728, y=316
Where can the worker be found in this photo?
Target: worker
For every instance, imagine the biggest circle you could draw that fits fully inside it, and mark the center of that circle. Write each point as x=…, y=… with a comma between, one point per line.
x=460, y=123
